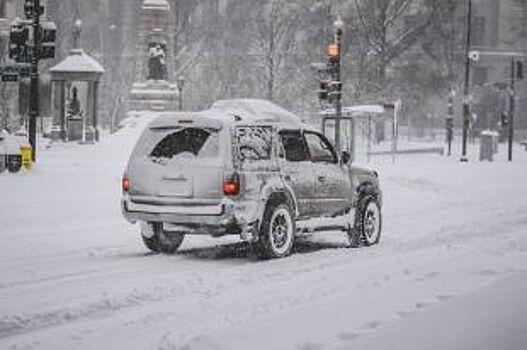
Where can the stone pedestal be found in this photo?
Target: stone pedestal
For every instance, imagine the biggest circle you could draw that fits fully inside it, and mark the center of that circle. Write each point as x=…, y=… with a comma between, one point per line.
x=154, y=68
x=156, y=95
x=74, y=129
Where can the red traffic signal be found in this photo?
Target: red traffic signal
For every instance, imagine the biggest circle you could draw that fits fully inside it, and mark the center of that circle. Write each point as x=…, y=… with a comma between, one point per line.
x=333, y=50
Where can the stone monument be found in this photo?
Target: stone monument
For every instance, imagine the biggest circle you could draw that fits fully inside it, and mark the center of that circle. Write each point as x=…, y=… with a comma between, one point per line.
x=152, y=89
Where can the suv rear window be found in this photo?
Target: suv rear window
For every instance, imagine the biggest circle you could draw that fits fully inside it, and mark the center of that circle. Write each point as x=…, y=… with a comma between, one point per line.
x=199, y=142
x=253, y=142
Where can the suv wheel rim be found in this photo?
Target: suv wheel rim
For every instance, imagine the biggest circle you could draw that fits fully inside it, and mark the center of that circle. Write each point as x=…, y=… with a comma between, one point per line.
x=281, y=230
x=372, y=219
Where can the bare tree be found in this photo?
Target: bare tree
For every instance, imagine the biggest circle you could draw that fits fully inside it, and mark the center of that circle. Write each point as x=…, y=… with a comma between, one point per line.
x=390, y=28
x=275, y=42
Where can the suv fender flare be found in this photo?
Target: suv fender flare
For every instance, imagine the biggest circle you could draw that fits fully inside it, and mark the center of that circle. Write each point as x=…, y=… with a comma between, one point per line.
x=281, y=194
x=368, y=188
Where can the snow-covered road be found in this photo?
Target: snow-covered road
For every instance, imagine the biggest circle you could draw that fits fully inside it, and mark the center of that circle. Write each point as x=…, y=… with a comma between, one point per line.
x=74, y=274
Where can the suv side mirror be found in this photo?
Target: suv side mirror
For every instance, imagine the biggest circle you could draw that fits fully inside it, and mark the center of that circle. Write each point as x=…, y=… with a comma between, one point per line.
x=345, y=157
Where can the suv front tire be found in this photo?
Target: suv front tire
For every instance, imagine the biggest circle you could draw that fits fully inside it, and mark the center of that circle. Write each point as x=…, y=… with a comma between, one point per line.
x=368, y=222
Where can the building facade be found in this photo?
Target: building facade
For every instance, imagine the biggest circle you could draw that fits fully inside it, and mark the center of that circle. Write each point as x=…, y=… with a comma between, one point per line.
x=498, y=26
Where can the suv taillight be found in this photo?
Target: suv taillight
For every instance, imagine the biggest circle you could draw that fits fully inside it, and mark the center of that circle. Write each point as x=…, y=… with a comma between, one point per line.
x=231, y=185
x=125, y=184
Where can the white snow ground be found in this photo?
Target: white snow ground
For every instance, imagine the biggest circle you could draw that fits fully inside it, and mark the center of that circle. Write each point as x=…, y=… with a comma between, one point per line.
x=450, y=272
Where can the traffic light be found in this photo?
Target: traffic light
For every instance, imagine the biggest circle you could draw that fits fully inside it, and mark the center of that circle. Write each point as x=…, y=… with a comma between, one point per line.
x=504, y=120
x=335, y=90
x=333, y=56
x=18, y=43
x=323, y=91
x=48, y=33
x=33, y=9
x=333, y=51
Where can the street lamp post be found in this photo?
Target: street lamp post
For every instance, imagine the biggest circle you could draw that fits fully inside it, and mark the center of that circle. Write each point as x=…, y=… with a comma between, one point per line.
x=511, y=107
x=180, y=84
x=450, y=121
x=466, y=101
x=77, y=33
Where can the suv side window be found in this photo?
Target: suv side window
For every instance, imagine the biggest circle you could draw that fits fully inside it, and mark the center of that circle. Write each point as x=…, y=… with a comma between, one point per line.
x=295, y=146
x=320, y=149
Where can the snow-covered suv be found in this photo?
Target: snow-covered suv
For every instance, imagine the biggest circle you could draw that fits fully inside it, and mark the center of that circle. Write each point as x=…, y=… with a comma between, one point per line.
x=248, y=168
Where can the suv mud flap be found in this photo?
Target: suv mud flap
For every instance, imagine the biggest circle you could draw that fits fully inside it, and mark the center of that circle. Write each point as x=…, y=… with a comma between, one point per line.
x=251, y=232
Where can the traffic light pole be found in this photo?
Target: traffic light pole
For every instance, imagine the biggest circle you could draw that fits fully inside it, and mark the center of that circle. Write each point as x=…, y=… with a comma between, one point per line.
x=33, y=88
x=338, y=99
x=511, y=107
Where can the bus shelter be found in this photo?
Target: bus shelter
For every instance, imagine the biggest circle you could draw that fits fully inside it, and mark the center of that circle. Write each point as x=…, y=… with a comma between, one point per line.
x=359, y=129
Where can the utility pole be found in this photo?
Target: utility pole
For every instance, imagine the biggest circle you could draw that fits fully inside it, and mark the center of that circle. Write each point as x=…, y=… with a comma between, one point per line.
x=466, y=91
x=34, y=14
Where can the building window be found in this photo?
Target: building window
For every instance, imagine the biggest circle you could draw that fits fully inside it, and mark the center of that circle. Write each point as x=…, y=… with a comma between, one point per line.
x=3, y=48
x=2, y=8
x=479, y=75
x=478, y=31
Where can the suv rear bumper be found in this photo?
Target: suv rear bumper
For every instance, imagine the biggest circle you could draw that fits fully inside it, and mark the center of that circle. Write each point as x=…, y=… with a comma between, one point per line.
x=210, y=219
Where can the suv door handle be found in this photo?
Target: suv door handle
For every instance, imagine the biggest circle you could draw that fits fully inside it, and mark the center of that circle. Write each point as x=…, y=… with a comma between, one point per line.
x=287, y=177
x=321, y=178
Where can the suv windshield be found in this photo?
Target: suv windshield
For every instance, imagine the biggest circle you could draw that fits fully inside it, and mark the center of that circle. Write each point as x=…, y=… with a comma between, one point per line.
x=195, y=141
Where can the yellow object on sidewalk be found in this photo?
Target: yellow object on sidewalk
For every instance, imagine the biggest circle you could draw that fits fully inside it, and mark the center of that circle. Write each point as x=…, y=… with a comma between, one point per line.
x=27, y=159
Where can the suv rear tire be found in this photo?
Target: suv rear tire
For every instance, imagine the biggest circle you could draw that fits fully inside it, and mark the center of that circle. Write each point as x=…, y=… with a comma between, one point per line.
x=276, y=232
x=163, y=241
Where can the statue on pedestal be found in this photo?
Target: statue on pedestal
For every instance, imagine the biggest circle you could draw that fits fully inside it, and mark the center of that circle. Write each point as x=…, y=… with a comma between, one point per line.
x=74, y=106
x=157, y=64
x=153, y=88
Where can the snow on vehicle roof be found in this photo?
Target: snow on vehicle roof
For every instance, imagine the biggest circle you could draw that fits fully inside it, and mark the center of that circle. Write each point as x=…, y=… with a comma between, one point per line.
x=253, y=110
x=229, y=112
x=174, y=119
